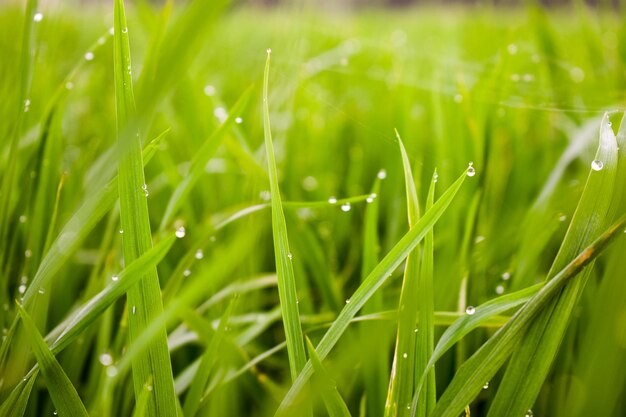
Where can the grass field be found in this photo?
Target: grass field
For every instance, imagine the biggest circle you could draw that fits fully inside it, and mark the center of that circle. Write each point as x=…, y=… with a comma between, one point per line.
x=210, y=210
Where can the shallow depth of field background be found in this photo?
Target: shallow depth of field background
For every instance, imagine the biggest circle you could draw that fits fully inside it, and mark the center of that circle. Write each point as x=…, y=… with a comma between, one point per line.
x=517, y=89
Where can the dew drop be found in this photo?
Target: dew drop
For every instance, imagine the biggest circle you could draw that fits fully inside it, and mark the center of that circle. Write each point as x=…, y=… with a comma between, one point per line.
x=470, y=310
x=382, y=174
x=405, y=355
x=144, y=188
x=28, y=253
x=69, y=85
x=121, y=231
x=115, y=278
x=265, y=195
x=111, y=371
x=486, y=385
x=470, y=170
x=346, y=207
x=23, y=218
x=435, y=177
x=506, y=276
x=220, y=113
x=268, y=50
x=290, y=256
x=89, y=56
x=111, y=31
x=332, y=200
x=106, y=359
x=22, y=289
x=238, y=120
x=309, y=183
x=199, y=254
x=26, y=105
x=180, y=232
x=101, y=41
x=609, y=124
x=529, y=413
x=347, y=301
x=500, y=289
x=134, y=310
x=209, y=90
x=186, y=272
x=597, y=165
x=125, y=30
x=371, y=198
x=562, y=217
x=38, y=17
x=41, y=291
x=55, y=413
x=149, y=387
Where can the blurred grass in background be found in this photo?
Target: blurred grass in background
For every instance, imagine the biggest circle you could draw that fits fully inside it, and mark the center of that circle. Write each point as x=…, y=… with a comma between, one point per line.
x=520, y=92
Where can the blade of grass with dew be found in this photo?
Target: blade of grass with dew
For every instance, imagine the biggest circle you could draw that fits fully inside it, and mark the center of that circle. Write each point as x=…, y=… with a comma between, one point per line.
x=404, y=360
x=374, y=281
x=15, y=404
x=482, y=366
x=426, y=335
x=202, y=157
x=60, y=388
x=531, y=362
x=137, y=237
x=209, y=358
x=335, y=405
x=284, y=269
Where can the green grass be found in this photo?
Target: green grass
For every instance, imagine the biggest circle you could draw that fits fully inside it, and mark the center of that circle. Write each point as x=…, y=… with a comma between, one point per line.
x=192, y=232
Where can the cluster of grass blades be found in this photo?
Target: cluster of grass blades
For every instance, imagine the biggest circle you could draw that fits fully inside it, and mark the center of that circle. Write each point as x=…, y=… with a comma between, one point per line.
x=165, y=251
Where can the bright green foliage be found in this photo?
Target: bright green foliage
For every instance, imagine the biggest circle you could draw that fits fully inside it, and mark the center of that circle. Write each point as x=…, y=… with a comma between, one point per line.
x=139, y=197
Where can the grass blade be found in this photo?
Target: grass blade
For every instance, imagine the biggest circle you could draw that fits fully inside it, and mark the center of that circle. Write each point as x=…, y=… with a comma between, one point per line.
x=63, y=393
x=483, y=365
x=372, y=283
x=137, y=239
x=335, y=405
x=284, y=268
x=530, y=364
x=404, y=360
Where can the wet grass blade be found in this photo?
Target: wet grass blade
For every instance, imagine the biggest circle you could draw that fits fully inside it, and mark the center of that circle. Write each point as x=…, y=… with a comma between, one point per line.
x=204, y=154
x=209, y=358
x=482, y=366
x=530, y=363
x=335, y=405
x=405, y=354
x=371, y=284
x=62, y=392
x=145, y=297
x=284, y=268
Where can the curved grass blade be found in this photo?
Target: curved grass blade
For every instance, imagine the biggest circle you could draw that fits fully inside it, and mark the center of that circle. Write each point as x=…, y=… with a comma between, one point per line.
x=370, y=285
x=482, y=366
x=284, y=268
x=137, y=238
x=335, y=405
x=531, y=362
x=404, y=360
x=202, y=157
x=15, y=404
x=209, y=358
x=62, y=392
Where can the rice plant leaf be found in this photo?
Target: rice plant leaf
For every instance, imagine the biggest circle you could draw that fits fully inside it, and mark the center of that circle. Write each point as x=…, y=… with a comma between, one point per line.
x=84, y=316
x=62, y=392
x=371, y=284
x=482, y=366
x=78, y=227
x=137, y=237
x=284, y=268
x=202, y=157
x=405, y=355
x=15, y=404
x=426, y=333
x=335, y=405
x=209, y=358
x=531, y=362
